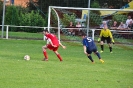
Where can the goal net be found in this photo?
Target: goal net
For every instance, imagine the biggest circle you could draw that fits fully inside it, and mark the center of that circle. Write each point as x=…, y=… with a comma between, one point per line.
x=70, y=23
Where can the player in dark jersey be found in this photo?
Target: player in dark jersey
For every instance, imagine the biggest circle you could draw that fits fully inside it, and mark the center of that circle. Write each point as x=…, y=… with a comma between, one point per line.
x=52, y=45
x=89, y=46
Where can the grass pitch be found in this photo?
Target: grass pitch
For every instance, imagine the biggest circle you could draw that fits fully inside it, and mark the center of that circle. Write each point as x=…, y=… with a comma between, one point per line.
x=76, y=70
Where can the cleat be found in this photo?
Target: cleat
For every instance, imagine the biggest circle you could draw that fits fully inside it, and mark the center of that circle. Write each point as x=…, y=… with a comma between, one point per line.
x=44, y=59
x=101, y=51
x=101, y=60
x=61, y=60
x=93, y=62
x=111, y=52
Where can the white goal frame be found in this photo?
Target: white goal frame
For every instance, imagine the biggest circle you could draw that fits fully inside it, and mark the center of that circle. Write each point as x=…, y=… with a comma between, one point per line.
x=89, y=9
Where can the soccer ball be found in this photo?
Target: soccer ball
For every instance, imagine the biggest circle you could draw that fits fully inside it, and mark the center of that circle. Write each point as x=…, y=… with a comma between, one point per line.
x=26, y=57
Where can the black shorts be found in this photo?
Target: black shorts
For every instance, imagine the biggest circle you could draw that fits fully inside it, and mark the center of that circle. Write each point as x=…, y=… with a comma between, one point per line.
x=107, y=39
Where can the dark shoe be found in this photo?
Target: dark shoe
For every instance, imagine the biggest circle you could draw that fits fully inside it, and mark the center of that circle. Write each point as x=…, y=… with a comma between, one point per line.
x=44, y=59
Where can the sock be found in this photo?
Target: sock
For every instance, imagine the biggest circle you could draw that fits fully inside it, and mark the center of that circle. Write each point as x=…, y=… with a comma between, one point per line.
x=110, y=48
x=45, y=54
x=98, y=55
x=58, y=55
x=90, y=57
x=102, y=47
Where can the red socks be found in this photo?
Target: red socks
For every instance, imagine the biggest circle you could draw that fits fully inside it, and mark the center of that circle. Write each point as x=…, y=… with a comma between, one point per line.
x=58, y=55
x=45, y=54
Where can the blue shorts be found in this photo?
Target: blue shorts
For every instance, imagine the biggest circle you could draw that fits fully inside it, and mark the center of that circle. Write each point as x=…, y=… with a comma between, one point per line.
x=89, y=51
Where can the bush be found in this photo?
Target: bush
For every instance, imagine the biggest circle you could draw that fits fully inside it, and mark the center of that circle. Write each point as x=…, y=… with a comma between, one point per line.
x=31, y=19
x=119, y=18
x=1, y=9
x=67, y=18
x=16, y=15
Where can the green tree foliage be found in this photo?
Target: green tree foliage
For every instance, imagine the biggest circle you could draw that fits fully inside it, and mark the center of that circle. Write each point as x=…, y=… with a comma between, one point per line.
x=67, y=18
x=95, y=4
x=119, y=18
x=54, y=18
x=1, y=11
x=95, y=19
x=12, y=15
x=16, y=15
x=44, y=4
x=116, y=4
x=32, y=19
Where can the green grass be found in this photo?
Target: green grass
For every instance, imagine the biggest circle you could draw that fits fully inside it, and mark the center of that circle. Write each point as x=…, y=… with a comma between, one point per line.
x=76, y=70
x=23, y=35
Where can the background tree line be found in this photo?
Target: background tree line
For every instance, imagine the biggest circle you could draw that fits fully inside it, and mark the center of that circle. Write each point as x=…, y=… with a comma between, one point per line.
x=35, y=14
x=44, y=4
x=112, y=4
x=20, y=16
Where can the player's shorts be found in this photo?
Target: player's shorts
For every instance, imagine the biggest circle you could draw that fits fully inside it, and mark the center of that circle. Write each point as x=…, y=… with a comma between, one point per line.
x=107, y=39
x=89, y=51
x=49, y=46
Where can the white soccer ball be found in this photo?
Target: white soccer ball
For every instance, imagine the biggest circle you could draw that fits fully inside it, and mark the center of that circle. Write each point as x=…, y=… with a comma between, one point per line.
x=26, y=57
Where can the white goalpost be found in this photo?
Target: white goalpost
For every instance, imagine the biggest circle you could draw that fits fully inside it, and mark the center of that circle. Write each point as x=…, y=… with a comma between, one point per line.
x=75, y=8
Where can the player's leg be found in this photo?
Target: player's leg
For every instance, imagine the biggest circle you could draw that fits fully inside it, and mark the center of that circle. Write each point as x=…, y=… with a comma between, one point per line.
x=110, y=47
x=89, y=55
x=57, y=54
x=98, y=55
x=102, y=44
x=109, y=44
x=45, y=53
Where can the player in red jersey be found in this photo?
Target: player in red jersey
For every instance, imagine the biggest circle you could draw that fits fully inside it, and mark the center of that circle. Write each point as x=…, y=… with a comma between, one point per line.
x=52, y=45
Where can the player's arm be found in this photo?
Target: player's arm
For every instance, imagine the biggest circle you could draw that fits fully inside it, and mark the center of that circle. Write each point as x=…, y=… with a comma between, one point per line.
x=64, y=47
x=84, y=47
x=101, y=33
x=110, y=34
x=100, y=36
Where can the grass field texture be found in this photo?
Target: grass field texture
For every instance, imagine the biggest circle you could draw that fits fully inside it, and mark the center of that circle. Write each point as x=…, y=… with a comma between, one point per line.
x=76, y=70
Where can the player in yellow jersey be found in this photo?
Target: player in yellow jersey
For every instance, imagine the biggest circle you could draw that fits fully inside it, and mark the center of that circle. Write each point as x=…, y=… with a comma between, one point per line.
x=106, y=35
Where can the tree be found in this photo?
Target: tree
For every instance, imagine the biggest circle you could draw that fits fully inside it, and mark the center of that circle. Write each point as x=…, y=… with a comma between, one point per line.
x=95, y=4
x=1, y=9
x=115, y=4
x=11, y=15
x=44, y=4
x=16, y=15
x=31, y=19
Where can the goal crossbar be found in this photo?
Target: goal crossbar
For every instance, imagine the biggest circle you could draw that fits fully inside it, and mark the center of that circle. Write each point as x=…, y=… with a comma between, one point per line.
x=76, y=8
x=101, y=9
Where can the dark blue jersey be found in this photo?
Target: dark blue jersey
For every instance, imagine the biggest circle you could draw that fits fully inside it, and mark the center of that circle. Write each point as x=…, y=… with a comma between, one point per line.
x=89, y=43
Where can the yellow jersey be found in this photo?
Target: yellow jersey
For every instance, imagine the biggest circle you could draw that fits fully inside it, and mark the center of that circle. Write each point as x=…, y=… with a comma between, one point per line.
x=105, y=33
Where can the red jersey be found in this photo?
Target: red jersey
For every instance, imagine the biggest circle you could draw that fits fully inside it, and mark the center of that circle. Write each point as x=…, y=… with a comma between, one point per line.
x=53, y=39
